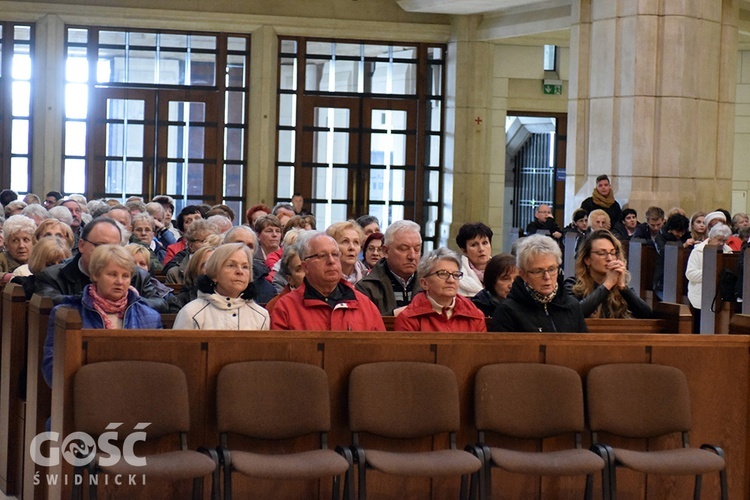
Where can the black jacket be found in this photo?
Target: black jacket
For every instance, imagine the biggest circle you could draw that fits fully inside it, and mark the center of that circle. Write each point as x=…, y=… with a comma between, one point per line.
x=521, y=313
x=614, y=211
x=638, y=308
x=486, y=302
x=67, y=279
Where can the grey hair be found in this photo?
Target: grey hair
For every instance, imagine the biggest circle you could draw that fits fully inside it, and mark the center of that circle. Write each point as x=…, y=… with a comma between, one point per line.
x=37, y=210
x=534, y=245
x=398, y=227
x=62, y=214
x=717, y=230
x=230, y=235
x=431, y=258
x=144, y=216
x=305, y=239
x=290, y=252
x=18, y=223
x=221, y=222
x=97, y=208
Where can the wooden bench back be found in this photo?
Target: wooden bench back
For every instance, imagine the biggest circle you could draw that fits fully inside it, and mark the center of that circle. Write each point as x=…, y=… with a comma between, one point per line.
x=202, y=354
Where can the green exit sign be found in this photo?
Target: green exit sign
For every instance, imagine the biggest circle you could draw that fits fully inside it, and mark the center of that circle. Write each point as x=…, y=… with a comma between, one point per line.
x=552, y=89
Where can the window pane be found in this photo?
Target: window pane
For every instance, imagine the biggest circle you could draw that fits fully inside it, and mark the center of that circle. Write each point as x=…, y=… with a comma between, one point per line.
x=288, y=73
x=233, y=180
x=287, y=110
x=75, y=176
x=436, y=79
x=112, y=37
x=75, y=138
x=195, y=179
x=432, y=153
x=173, y=40
x=434, y=115
x=289, y=46
x=404, y=78
x=172, y=68
x=202, y=69
x=21, y=98
x=286, y=145
x=235, y=108
x=433, y=185
x=285, y=182
x=114, y=174
x=76, y=100
x=22, y=33
x=20, y=137
x=347, y=76
x=76, y=66
x=236, y=43
x=19, y=174
x=203, y=42
x=319, y=48
x=234, y=144
x=236, y=71
x=21, y=66
x=76, y=35
x=141, y=67
x=134, y=177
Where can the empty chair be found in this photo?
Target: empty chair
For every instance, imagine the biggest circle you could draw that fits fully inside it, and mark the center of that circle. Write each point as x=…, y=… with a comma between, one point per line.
x=277, y=400
x=407, y=400
x=532, y=401
x=147, y=397
x=646, y=401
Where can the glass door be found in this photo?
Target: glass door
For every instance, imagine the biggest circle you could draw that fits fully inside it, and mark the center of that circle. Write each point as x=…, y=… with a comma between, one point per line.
x=149, y=142
x=359, y=157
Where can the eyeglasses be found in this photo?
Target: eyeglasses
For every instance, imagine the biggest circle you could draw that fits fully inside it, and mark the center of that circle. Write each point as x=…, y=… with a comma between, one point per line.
x=604, y=253
x=443, y=275
x=373, y=249
x=94, y=244
x=324, y=256
x=538, y=273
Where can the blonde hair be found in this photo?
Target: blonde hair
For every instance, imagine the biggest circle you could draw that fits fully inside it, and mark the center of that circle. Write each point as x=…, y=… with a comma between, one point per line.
x=49, y=225
x=47, y=252
x=336, y=231
x=137, y=249
x=585, y=284
x=193, y=269
x=222, y=254
x=105, y=254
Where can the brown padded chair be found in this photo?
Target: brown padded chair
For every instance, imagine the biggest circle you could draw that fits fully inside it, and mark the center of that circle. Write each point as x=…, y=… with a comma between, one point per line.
x=406, y=400
x=278, y=400
x=137, y=392
x=639, y=400
x=532, y=401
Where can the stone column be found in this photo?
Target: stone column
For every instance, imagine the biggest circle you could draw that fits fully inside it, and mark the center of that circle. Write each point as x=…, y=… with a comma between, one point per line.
x=652, y=88
x=472, y=185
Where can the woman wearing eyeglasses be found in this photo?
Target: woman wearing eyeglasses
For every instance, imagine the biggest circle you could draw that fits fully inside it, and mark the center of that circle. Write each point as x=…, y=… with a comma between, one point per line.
x=601, y=281
x=537, y=301
x=439, y=308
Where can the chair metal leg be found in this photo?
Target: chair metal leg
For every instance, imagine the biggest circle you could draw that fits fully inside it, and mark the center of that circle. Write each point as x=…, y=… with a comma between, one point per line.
x=226, y=460
x=722, y=473
x=464, y=487
x=336, y=488
x=608, y=484
x=198, y=488
x=589, y=494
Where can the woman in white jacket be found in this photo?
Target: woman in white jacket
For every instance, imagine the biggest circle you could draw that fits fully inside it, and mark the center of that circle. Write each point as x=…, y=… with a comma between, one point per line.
x=225, y=295
x=475, y=242
x=717, y=236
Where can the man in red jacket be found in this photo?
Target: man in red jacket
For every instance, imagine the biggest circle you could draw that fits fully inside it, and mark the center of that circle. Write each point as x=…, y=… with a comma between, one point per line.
x=325, y=301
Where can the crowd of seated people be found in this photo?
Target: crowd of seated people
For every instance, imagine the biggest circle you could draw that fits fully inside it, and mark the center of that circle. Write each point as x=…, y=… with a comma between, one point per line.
x=277, y=271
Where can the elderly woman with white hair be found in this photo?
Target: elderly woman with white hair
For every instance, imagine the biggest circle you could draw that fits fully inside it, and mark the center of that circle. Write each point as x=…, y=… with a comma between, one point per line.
x=537, y=301
x=439, y=308
x=225, y=294
x=717, y=237
x=18, y=232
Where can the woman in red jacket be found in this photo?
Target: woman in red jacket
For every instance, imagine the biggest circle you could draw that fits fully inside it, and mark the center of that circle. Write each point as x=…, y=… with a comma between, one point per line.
x=439, y=308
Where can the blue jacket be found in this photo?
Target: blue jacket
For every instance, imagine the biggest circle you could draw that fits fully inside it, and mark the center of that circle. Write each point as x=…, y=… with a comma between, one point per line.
x=138, y=316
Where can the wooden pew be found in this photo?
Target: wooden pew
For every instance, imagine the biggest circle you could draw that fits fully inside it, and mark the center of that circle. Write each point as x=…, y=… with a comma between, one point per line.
x=717, y=368
x=38, y=394
x=12, y=402
x=716, y=320
x=669, y=318
x=641, y=255
x=675, y=262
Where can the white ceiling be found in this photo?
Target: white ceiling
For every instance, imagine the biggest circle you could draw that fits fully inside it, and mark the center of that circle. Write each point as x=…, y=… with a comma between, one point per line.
x=530, y=21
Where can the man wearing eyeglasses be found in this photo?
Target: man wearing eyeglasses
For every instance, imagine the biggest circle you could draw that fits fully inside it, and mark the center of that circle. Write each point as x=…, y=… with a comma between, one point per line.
x=69, y=278
x=325, y=301
x=393, y=282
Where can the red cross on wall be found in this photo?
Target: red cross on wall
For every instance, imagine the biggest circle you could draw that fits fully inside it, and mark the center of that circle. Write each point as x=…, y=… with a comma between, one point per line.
x=478, y=120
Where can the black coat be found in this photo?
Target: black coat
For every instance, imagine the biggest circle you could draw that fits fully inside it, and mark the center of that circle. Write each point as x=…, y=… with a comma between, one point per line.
x=66, y=279
x=521, y=313
x=486, y=302
x=614, y=211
